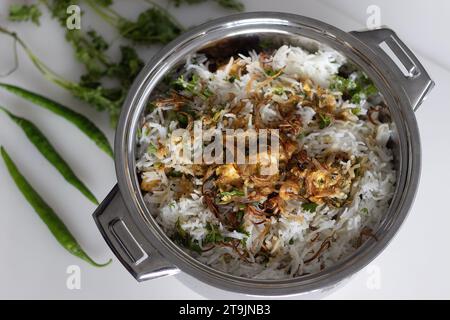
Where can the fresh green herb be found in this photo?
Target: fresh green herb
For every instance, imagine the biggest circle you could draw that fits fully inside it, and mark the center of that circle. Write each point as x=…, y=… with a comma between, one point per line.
x=309, y=206
x=152, y=149
x=266, y=43
x=365, y=211
x=324, y=121
x=231, y=4
x=192, y=86
x=213, y=235
x=206, y=93
x=47, y=214
x=23, y=12
x=278, y=91
x=81, y=122
x=343, y=84
x=240, y=215
x=357, y=88
x=175, y=174
x=228, y=4
x=232, y=79
x=154, y=25
x=103, y=99
x=232, y=193
x=44, y=146
x=291, y=242
x=183, y=238
x=90, y=49
x=357, y=97
x=356, y=110
x=241, y=229
x=271, y=72
x=193, y=245
x=181, y=84
x=180, y=230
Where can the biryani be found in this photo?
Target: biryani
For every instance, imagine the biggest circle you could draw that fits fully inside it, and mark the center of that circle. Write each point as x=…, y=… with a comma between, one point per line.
x=333, y=177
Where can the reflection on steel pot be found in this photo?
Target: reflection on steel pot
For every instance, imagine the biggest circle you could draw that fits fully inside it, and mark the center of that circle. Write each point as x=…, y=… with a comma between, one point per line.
x=127, y=224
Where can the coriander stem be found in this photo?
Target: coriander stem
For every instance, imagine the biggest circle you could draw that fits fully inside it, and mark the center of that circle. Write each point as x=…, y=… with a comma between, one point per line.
x=111, y=18
x=39, y=64
x=167, y=13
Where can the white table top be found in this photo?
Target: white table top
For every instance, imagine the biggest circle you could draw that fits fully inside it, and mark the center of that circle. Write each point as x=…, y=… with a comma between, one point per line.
x=415, y=265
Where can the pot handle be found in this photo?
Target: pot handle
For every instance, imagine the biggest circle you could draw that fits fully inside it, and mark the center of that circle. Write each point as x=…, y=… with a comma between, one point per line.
x=414, y=79
x=141, y=259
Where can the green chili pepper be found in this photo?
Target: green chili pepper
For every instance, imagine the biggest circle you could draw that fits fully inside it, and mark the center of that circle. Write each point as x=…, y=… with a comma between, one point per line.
x=77, y=119
x=48, y=151
x=47, y=215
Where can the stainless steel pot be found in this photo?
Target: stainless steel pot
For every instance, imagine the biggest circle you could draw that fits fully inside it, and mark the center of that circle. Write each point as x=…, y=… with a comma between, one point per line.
x=141, y=245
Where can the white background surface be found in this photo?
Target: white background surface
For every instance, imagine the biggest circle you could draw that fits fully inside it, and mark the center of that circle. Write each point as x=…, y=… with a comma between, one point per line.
x=32, y=265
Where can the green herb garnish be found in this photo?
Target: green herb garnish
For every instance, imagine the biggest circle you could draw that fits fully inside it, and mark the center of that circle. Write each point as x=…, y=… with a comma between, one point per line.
x=152, y=149
x=356, y=88
x=278, y=91
x=232, y=193
x=356, y=110
x=271, y=72
x=213, y=235
x=309, y=206
x=324, y=121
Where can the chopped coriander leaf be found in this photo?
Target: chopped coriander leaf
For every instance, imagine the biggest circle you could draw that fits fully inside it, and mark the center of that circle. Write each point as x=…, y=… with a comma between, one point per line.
x=182, y=84
x=175, y=174
x=343, y=84
x=213, y=235
x=194, y=246
x=278, y=91
x=182, y=119
x=232, y=79
x=150, y=107
x=324, y=121
x=158, y=165
x=183, y=238
x=179, y=229
x=370, y=90
x=356, y=110
x=365, y=211
x=192, y=86
x=291, y=242
x=232, y=193
x=357, y=88
x=242, y=230
x=266, y=43
x=152, y=149
x=310, y=206
x=206, y=93
x=240, y=215
x=271, y=72
x=357, y=97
